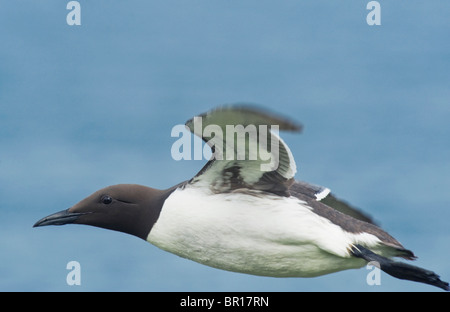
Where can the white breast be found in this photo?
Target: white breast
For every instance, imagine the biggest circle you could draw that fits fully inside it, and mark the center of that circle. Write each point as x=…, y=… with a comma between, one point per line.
x=260, y=235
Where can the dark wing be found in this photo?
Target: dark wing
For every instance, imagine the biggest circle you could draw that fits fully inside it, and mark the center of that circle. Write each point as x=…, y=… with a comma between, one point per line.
x=348, y=218
x=323, y=194
x=247, y=151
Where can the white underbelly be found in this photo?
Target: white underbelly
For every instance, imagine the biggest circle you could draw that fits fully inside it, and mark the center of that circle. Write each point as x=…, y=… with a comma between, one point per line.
x=238, y=232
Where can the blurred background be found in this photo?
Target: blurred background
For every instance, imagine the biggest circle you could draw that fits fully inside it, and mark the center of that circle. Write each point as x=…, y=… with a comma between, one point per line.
x=83, y=107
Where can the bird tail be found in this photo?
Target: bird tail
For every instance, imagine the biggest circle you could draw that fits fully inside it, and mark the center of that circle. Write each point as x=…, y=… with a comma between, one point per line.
x=399, y=269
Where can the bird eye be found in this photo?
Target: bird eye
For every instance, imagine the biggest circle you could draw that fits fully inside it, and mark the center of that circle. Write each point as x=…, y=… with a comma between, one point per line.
x=106, y=199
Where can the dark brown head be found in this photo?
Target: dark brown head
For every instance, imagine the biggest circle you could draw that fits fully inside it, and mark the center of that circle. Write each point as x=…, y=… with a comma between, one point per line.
x=127, y=208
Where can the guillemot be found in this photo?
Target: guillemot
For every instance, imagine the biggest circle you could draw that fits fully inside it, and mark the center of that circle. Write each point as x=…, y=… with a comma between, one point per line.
x=245, y=212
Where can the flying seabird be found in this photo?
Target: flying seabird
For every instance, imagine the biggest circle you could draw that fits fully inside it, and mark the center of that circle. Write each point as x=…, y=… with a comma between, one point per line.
x=245, y=212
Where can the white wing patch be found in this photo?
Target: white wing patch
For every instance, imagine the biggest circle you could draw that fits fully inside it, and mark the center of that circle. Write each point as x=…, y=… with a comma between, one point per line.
x=322, y=194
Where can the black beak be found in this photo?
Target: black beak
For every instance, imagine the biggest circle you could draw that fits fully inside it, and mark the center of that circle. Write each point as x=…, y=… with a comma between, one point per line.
x=59, y=218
